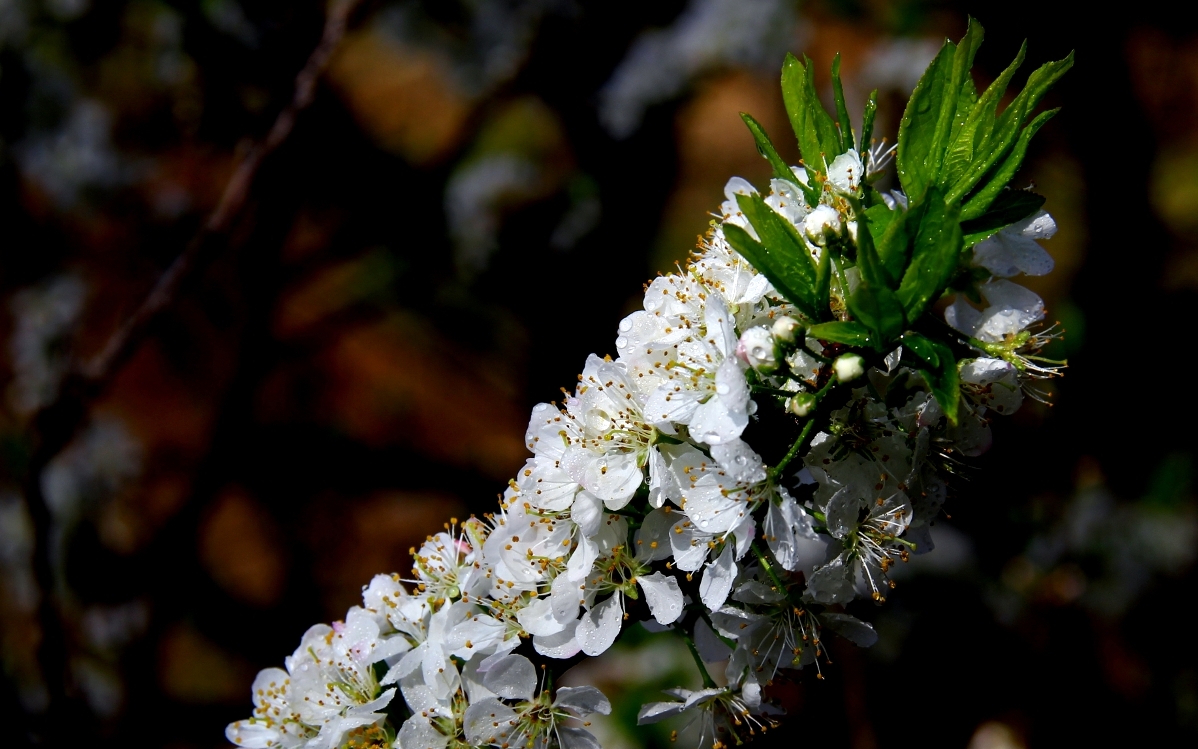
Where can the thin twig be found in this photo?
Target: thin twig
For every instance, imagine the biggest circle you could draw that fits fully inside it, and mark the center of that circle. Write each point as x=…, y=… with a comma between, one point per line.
x=125, y=341
x=55, y=425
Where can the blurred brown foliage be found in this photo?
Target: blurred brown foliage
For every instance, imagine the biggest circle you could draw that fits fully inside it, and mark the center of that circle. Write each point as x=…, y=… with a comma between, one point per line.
x=475, y=197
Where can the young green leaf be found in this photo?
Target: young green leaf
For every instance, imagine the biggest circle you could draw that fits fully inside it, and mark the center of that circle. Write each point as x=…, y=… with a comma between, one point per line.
x=823, y=281
x=780, y=237
x=1010, y=206
x=894, y=242
x=917, y=129
x=973, y=136
x=994, y=183
x=879, y=309
x=814, y=129
x=928, y=119
x=848, y=333
x=766, y=148
x=958, y=86
x=867, y=122
x=923, y=348
x=944, y=380
x=844, y=128
x=872, y=270
x=933, y=255
x=779, y=272
x=1005, y=138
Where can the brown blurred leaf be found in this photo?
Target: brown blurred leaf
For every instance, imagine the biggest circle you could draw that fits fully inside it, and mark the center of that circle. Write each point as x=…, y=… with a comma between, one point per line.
x=403, y=98
x=395, y=382
x=192, y=668
x=240, y=547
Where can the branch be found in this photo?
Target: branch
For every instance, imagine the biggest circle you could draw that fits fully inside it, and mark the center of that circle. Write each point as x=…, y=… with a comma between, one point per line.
x=55, y=425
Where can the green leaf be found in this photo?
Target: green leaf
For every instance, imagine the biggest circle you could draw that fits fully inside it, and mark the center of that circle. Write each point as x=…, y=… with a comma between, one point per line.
x=1010, y=206
x=894, y=240
x=928, y=119
x=933, y=255
x=944, y=379
x=872, y=269
x=757, y=255
x=967, y=99
x=779, y=236
x=848, y=333
x=973, y=136
x=959, y=90
x=879, y=309
x=814, y=129
x=766, y=148
x=823, y=282
x=917, y=129
x=923, y=348
x=1006, y=136
x=781, y=255
x=867, y=122
x=844, y=128
x=996, y=182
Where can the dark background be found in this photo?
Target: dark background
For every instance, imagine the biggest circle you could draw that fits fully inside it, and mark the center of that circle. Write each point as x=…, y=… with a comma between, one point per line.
x=468, y=208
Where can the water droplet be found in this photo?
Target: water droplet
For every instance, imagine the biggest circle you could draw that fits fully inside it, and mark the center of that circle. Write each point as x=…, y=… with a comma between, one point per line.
x=621, y=342
x=625, y=325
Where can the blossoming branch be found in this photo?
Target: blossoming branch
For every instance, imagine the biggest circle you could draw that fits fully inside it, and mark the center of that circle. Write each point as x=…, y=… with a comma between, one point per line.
x=779, y=426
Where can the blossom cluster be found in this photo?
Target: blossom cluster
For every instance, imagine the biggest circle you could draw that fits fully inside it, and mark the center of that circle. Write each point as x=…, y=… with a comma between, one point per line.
x=758, y=455
x=644, y=487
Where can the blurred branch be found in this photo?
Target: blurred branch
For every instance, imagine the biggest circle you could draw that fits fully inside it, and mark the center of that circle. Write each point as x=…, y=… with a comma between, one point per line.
x=55, y=425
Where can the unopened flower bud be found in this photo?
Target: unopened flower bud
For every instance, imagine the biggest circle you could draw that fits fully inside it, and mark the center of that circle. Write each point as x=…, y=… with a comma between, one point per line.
x=848, y=367
x=821, y=223
x=802, y=404
x=784, y=329
x=756, y=348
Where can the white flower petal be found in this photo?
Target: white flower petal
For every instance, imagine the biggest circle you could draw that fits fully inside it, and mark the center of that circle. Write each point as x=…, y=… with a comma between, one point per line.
x=582, y=701
x=583, y=559
x=998, y=384
x=711, y=648
x=846, y=172
x=488, y=722
x=418, y=733
x=537, y=618
x=851, y=628
x=252, y=734
x=587, y=512
x=599, y=627
x=739, y=461
x=614, y=478
x=663, y=596
x=653, y=537
x=962, y=317
x=717, y=579
x=576, y=738
x=655, y=712
x=562, y=645
x=1012, y=308
x=831, y=583
x=512, y=677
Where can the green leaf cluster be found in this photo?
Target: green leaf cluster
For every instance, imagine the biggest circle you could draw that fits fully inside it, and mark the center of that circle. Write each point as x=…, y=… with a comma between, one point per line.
x=954, y=139
x=956, y=155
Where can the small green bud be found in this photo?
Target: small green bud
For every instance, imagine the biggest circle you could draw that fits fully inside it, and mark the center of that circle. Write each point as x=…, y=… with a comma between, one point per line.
x=848, y=367
x=803, y=404
x=786, y=329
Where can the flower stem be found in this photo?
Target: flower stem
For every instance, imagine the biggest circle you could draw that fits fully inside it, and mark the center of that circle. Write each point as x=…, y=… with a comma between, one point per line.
x=769, y=568
x=776, y=471
x=793, y=451
x=708, y=682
